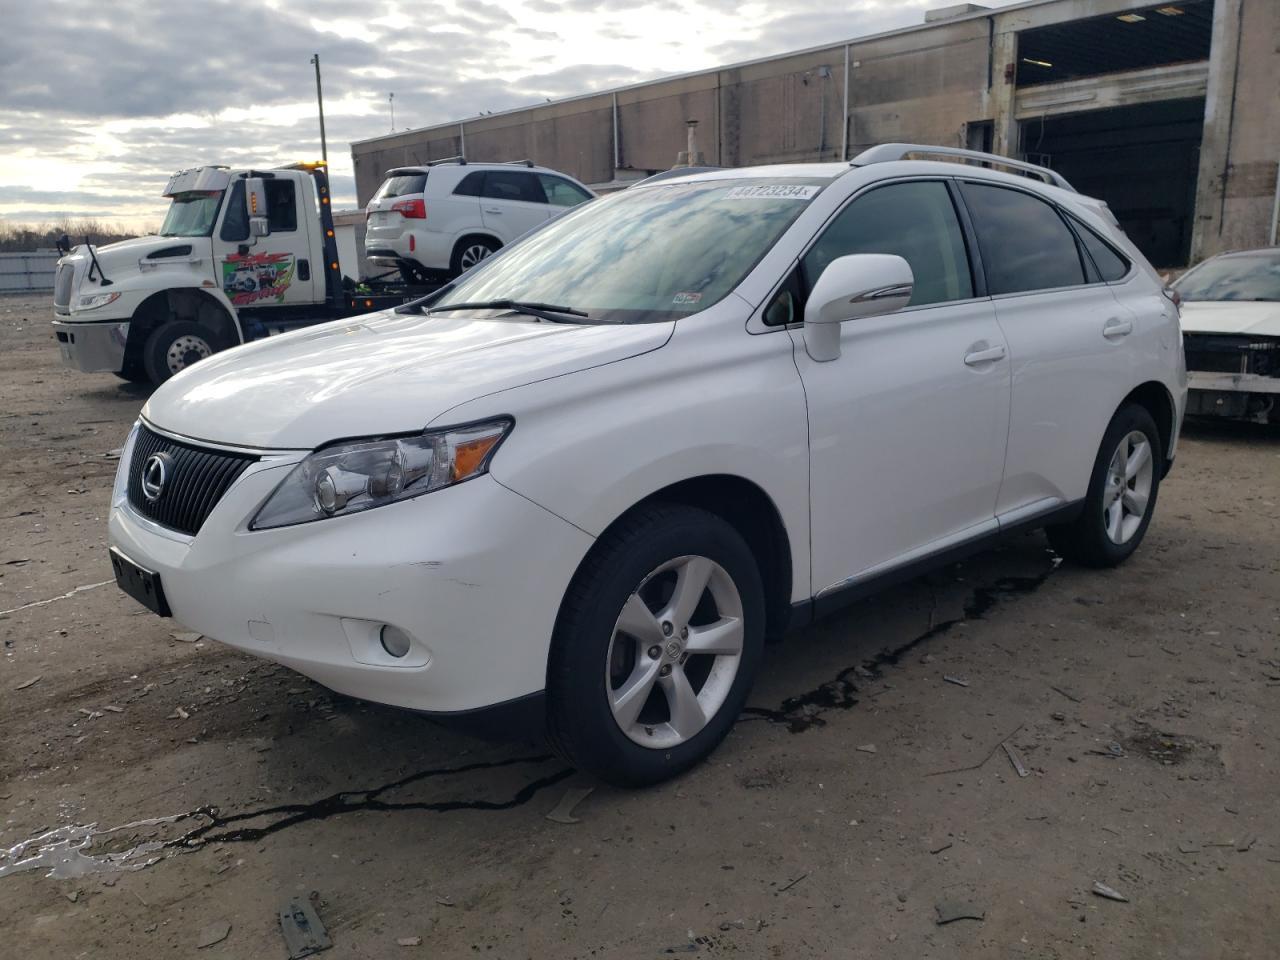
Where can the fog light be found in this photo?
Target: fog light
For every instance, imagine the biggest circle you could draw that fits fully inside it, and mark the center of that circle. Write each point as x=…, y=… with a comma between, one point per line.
x=394, y=640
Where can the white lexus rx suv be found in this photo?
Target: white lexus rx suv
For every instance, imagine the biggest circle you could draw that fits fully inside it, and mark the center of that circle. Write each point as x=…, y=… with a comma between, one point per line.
x=438, y=220
x=585, y=482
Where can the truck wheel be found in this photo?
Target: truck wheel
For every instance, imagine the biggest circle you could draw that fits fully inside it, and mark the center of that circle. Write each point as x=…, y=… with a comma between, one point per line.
x=658, y=642
x=174, y=346
x=469, y=252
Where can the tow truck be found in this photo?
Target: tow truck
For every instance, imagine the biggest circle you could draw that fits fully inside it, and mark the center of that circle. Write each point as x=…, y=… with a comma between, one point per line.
x=242, y=254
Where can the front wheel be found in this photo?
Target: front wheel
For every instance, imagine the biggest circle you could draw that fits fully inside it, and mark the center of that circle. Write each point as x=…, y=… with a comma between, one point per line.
x=174, y=346
x=1122, y=493
x=657, y=646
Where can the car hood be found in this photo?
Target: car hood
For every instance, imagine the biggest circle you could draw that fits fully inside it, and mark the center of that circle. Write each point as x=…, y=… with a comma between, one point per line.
x=1231, y=316
x=379, y=374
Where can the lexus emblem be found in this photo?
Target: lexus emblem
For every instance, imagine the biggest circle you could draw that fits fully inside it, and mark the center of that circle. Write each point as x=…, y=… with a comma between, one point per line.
x=155, y=474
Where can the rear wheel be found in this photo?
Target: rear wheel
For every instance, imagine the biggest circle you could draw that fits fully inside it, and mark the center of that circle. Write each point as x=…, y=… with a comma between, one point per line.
x=176, y=345
x=470, y=251
x=1122, y=493
x=657, y=646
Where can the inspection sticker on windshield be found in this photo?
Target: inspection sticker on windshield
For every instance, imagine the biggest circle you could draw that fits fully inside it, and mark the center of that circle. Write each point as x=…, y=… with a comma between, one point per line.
x=773, y=191
x=681, y=299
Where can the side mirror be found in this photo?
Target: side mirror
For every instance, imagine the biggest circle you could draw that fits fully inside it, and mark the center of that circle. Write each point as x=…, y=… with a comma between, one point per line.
x=255, y=200
x=859, y=285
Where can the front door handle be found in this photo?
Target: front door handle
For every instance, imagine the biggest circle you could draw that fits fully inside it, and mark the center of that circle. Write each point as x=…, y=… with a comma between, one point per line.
x=492, y=210
x=979, y=357
x=1115, y=328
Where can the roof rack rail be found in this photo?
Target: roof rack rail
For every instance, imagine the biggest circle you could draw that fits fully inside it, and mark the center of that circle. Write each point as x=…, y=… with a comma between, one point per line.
x=458, y=160
x=524, y=163
x=886, y=152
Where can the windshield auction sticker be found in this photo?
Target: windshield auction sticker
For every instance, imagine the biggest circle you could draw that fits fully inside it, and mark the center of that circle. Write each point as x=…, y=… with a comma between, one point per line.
x=774, y=191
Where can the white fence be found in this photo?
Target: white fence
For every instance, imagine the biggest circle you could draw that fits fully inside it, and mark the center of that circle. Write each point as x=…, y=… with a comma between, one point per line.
x=23, y=272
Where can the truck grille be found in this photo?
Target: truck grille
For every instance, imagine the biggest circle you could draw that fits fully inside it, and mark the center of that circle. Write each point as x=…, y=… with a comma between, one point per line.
x=1215, y=353
x=196, y=480
x=63, y=280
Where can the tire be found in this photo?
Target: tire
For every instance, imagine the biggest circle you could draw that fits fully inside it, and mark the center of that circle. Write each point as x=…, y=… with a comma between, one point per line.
x=467, y=253
x=175, y=345
x=594, y=664
x=1099, y=537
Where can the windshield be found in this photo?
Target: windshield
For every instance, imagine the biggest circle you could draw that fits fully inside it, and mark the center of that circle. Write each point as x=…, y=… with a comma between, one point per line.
x=1248, y=277
x=191, y=214
x=646, y=254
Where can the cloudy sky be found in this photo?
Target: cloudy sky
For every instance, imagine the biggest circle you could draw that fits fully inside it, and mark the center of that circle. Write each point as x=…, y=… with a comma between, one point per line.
x=100, y=100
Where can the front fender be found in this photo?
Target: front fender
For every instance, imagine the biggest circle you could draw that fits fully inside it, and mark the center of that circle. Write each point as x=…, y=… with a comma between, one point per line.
x=714, y=400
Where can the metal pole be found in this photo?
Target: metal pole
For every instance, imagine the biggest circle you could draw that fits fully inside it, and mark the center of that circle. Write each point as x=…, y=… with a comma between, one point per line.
x=324, y=147
x=616, y=156
x=462, y=141
x=391, y=99
x=1275, y=207
x=844, y=125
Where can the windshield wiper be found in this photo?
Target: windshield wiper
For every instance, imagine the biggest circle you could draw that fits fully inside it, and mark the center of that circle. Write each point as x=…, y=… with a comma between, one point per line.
x=543, y=311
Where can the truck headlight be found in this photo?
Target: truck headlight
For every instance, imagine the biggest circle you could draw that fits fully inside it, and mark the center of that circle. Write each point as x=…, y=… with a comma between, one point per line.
x=95, y=300
x=359, y=475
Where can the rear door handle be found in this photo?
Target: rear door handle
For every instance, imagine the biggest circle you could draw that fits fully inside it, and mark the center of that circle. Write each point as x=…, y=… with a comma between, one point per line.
x=979, y=357
x=1116, y=328
x=492, y=210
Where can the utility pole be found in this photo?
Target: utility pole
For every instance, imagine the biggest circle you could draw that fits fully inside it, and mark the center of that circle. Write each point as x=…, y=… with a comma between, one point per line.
x=324, y=147
x=391, y=99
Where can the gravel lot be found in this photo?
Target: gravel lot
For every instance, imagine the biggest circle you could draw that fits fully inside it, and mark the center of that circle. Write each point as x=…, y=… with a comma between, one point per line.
x=861, y=795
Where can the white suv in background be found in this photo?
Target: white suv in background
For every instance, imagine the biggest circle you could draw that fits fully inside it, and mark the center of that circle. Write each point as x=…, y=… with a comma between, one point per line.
x=440, y=219
x=584, y=481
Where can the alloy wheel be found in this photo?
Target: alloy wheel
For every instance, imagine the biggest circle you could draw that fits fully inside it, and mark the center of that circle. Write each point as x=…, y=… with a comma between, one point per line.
x=473, y=255
x=675, y=652
x=1128, y=487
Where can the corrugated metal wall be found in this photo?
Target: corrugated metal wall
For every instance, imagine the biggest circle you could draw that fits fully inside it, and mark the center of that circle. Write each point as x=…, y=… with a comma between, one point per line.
x=22, y=272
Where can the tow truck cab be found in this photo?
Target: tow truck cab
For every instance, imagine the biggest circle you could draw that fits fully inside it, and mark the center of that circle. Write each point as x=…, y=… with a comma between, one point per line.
x=241, y=254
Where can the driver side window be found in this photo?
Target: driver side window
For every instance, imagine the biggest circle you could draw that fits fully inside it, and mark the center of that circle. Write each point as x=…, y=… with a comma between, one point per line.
x=915, y=220
x=235, y=223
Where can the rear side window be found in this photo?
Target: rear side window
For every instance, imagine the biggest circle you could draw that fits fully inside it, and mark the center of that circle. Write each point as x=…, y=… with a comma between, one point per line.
x=472, y=185
x=400, y=185
x=1110, y=264
x=510, y=185
x=1025, y=244
x=561, y=193
x=917, y=221
x=282, y=206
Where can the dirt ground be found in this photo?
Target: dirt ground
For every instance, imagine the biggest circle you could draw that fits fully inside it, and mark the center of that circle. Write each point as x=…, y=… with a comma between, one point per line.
x=865, y=792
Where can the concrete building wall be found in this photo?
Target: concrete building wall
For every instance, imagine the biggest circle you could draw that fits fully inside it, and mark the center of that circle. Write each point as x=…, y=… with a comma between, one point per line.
x=1240, y=153
x=929, y=84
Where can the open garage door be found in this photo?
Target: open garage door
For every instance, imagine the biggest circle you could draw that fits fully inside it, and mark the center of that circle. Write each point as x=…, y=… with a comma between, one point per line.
x=1142, y=160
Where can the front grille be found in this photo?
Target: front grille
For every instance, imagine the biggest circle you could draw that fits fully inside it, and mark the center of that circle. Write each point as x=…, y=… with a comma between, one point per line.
x=63, y=280
x=197, y=479
x=1215, y=353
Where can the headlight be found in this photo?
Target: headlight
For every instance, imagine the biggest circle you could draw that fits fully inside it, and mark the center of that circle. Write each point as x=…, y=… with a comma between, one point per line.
x=95, y=300
x=364, y=474
x=120, y=490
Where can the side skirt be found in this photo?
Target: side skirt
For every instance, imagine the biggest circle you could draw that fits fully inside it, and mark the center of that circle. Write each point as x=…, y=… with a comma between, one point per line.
x=807, y=611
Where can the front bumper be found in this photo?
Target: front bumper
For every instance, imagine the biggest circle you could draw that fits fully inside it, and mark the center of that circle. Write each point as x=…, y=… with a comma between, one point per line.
x=474, y=573
x=1232, y=382
x=93, y=347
